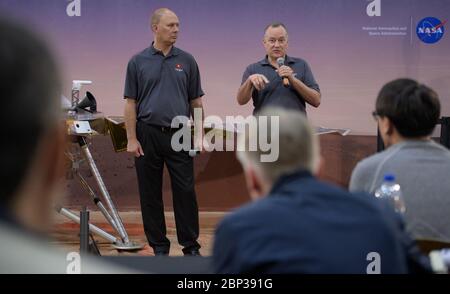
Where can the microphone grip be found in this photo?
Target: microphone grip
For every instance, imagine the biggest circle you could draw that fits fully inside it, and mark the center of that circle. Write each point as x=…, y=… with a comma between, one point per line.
x=286, y=82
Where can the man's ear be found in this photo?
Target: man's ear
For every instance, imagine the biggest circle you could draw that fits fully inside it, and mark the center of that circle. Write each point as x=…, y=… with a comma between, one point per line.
x=320, y=167
x=387, y=129
x=390, y=127
x=386, y=126
x=154, y=28
x=254, y=183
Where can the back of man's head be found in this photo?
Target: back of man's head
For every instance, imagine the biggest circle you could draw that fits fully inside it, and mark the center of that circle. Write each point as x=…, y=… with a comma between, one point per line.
x=413, y=108
x=295, y=138
x=29, y=87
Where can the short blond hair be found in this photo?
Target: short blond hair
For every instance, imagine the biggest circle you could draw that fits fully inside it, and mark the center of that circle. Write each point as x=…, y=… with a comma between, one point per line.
x=298, y=145
x=157, y=14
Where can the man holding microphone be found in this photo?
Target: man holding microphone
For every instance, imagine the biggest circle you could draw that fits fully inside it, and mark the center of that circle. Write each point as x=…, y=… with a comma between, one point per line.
x=278, y=79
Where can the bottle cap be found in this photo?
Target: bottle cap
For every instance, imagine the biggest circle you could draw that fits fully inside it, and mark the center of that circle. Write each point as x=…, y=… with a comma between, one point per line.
x=389, y=177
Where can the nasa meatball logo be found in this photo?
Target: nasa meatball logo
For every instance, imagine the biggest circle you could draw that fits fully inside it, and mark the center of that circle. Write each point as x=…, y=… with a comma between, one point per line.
x=430, y=30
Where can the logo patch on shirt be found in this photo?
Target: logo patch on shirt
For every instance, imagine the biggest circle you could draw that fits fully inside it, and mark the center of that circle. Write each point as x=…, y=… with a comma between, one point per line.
x=178, y=67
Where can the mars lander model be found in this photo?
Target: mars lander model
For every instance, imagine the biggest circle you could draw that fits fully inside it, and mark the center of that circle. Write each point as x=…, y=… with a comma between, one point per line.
x=83, y=121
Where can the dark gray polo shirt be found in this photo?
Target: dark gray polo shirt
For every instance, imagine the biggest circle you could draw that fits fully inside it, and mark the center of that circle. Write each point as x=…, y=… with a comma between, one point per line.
x=163, y=86
x=274, y=93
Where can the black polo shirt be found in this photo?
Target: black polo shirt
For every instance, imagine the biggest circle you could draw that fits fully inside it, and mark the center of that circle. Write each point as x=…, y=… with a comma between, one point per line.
x=274, y=93
x=163, y=86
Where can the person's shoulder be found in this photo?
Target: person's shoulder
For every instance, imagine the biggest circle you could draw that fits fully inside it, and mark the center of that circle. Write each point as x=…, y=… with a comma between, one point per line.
x=297, y=59
x=258, y=62
x=330, y=188
x=247, y=213
x=254, y=67
x=364, y=171
x=371, y=162
x=330, y=192
x=298, y=63
x=445, y=152
x=139, y=55
x=26, y=252
x=184, y=54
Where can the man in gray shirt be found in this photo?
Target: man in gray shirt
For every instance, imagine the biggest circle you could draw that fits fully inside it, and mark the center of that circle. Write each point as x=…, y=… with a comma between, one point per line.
x=407, y=114
x=290, y=85
x=163, y=82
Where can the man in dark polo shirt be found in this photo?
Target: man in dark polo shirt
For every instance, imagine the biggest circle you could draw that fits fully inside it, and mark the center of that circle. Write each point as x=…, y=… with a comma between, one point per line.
x=163, y=82
x=290, y=86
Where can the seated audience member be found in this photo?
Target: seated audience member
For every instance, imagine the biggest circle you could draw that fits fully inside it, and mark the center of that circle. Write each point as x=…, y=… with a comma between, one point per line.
x=32, y=156
x=407, y=113
x=298, y=224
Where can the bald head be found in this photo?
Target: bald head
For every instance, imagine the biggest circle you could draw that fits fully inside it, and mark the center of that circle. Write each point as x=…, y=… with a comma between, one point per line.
x=165, y=26
x=158, y=13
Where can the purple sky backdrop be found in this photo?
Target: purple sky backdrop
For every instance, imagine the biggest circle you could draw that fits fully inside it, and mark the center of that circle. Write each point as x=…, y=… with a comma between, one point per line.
x=225, y=36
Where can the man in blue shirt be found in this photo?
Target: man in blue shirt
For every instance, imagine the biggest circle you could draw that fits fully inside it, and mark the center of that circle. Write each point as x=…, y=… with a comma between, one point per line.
x=299, y=224
x=290, y=85
x=163, y=82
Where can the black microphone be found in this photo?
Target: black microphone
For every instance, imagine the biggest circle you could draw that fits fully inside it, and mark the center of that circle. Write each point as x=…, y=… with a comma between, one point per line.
x=280, y=62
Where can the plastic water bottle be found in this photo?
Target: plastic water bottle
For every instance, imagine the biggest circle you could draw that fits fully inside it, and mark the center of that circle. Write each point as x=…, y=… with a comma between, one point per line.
x=390, y=190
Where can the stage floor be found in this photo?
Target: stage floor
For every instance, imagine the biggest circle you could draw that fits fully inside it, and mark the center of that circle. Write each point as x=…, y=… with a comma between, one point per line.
x=66, y=233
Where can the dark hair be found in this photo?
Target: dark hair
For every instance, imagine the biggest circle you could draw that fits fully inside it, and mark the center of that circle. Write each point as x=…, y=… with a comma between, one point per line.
x=414, y=109
x=275, y=25
x=30, y=90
